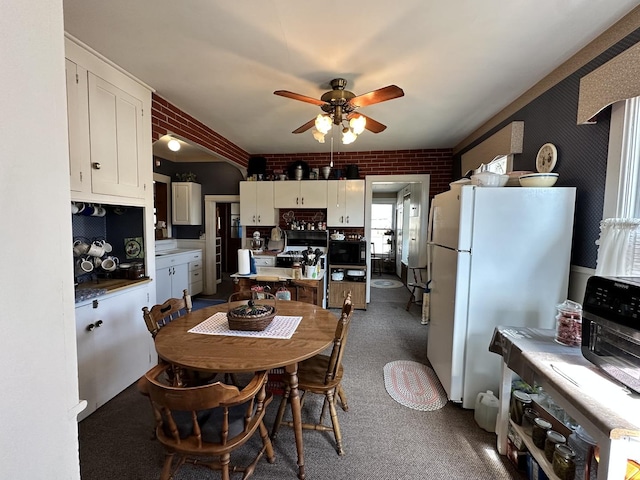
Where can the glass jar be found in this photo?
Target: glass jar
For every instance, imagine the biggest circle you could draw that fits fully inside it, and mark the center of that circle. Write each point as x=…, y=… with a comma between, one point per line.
x=527, y=420
x=519, y=401
x=553, y=438
x=539, y=431
x=563, y=464
x=569, y=323
x=583, y=445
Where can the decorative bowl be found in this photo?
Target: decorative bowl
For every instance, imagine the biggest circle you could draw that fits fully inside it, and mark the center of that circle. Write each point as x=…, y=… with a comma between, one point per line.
x=514, y=177
x=489, y=179
x=539, y=180
x=254, y=315
x=337, y=236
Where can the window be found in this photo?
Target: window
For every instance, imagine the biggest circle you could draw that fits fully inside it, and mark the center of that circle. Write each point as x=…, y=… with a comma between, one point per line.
x=382, y=215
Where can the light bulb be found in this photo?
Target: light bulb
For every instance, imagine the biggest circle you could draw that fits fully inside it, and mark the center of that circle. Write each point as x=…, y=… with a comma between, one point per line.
x=174, y=145
x=319, y=136
x=357, y=124
x=348, y=136
x=323, y=123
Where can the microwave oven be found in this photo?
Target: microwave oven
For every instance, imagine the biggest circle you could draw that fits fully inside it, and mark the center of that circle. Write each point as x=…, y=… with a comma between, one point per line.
x=610, y=327
x=347, y=252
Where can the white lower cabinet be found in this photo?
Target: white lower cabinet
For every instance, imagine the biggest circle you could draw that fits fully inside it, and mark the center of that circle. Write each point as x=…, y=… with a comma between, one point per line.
x=196, y=274
x=114, y=346
x=171, y=281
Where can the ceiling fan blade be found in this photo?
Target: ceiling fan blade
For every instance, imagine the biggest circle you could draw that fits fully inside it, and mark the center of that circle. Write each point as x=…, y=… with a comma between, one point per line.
x=305, y=127
x=377, y=96
x=297, y=96
x=371, y=125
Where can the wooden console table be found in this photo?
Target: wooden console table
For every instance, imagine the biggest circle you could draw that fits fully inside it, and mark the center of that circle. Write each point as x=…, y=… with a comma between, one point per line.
x=609, y=412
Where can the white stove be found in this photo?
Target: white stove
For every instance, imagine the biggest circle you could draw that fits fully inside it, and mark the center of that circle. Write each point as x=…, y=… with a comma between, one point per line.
x=297, y=242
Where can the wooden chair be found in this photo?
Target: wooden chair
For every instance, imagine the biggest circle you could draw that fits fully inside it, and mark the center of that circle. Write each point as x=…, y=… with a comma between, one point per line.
x=376, y=260
x=194, y=424
x=419, y=283
x=160, y=315
x=322, y=374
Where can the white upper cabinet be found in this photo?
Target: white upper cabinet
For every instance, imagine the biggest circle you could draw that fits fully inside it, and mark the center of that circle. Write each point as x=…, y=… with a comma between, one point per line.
x=187, y=203
x=256, y=204
x=300, y=194
x=109, y=119
x=345, y=203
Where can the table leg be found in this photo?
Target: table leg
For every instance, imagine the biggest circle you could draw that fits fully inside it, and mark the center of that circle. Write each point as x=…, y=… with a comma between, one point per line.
x=502, y=423
x=294, y=399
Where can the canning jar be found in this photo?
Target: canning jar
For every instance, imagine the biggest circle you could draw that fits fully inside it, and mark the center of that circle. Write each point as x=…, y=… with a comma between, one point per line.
x=553, y=438
x=527, y=420
x=583, y=445
x=519, y=401
x=539, y=431
x=563, y=464
x=569, y=323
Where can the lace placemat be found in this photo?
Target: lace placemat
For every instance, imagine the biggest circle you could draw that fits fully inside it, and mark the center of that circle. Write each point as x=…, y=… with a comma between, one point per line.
x=217, y=324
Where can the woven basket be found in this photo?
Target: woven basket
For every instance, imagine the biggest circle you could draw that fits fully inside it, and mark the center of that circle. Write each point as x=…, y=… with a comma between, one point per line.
x=254, y=315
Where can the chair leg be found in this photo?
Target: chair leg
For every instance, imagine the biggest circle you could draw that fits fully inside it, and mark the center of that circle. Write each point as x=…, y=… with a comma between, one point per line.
x=266, y=442
x=413, y=291
x=343, y=398
x=334, y=422
x=280, y=414
x=166, y=467
x=224, y=464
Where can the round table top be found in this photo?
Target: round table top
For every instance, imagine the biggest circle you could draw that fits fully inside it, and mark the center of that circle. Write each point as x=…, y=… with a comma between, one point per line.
x=221, y=353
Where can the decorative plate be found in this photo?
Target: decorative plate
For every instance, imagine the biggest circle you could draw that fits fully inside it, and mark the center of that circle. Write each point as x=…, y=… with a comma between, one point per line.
x=546, y=158
x=133, y=247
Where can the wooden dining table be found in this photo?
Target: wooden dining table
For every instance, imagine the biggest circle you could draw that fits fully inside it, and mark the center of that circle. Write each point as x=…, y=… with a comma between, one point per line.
x=240, y=354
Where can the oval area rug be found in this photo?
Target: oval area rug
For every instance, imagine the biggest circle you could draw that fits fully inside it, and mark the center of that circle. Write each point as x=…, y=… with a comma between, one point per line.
x=414, y=385
x=384, y=283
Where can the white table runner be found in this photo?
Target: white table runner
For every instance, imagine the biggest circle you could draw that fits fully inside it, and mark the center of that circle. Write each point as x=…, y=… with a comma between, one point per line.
x=280, y=327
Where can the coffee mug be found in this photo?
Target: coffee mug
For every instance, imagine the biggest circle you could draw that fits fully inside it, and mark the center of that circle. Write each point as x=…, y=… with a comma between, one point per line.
x=99, y=211
x=109, y=264
x=86, y=264
x=74, y=208
x=96, y=249
x=87, y=210
x=107, y=246
x=80, y=248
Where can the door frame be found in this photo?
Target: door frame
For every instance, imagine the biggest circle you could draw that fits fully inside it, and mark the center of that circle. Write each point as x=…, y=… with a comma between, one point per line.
x=210, y=201
x=401, y=180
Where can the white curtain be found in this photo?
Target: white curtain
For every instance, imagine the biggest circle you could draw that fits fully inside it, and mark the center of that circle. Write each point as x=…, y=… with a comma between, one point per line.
x=619, y=247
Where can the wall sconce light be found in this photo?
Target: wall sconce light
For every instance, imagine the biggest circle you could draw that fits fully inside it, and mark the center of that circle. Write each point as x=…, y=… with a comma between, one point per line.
x=174, y=145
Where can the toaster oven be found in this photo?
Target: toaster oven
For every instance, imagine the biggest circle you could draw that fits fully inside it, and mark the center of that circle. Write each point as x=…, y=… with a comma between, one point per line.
x=611, y=327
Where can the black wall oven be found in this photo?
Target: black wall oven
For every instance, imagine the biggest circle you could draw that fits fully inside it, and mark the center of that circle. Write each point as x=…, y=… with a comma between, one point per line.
x=346, y=252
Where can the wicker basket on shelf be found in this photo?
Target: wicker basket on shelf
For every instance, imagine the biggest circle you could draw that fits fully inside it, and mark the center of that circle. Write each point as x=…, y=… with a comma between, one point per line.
x=254, y=314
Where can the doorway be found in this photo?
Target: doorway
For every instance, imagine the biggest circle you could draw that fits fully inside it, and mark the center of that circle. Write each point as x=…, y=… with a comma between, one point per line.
x=414, y=220
x=219, y=239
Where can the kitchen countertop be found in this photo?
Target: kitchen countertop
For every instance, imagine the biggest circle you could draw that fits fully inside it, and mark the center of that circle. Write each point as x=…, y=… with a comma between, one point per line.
x=102, y=286
x=273, y=274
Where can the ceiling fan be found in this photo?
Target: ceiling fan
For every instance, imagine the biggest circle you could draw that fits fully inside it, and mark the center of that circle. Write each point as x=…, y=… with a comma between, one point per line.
x=340, y=105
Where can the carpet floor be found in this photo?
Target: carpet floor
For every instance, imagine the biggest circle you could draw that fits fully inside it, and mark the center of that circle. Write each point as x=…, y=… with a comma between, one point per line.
x=382, y=439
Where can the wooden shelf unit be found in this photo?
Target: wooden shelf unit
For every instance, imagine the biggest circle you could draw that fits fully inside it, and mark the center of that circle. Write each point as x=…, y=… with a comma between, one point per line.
x=338, y=288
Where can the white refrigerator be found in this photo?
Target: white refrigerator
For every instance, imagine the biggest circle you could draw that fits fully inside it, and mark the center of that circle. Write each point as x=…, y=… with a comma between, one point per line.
x=498, y=256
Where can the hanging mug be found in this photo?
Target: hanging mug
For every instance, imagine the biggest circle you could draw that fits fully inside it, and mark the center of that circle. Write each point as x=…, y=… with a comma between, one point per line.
x=80, y=248
x=87, y=210
x=86, y=265
x=109, y=264
x=96, y=249
x=99, y=211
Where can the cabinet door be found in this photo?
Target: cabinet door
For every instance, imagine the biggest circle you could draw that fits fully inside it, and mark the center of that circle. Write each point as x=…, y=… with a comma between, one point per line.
x=115, y=120
x=354, y=203
x=87, y=380
x=163, y=284
x=265, y=211
x=248, y=202
x=287, y=194
x=78, y=126
x=336, y=203
x=313, y=194
x=187, y=203
x=179, y=279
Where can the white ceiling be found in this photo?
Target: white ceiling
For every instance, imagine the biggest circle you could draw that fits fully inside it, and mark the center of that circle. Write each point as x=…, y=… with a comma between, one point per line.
x=459, y=61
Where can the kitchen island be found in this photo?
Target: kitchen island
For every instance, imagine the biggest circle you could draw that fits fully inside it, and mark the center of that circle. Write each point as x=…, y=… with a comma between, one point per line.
x=308, y=290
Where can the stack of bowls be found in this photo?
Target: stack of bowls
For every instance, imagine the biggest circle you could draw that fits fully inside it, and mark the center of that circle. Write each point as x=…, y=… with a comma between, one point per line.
x=539, y=179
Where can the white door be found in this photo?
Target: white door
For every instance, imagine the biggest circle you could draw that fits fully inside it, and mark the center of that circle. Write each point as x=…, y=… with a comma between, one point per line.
x=265, y=211
x=248, y=202
x=448, y=317
x=446, y=219
x=354, y=203
x=179, y=279
x=314, y=194
x=163, y=284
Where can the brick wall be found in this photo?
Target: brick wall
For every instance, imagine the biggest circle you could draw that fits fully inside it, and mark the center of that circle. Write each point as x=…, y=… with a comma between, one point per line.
x=167, y=118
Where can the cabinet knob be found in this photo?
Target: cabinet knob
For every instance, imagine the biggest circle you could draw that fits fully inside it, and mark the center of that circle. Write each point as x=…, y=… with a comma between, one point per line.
x=99, y=323
x=90, y=327
x=96, y=165
x=347, y=218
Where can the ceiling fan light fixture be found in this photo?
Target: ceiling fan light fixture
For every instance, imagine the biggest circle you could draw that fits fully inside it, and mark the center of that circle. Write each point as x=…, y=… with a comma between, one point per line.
x=174, y=145
x=323, y=124
x=358, y=124
x=318, y=135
